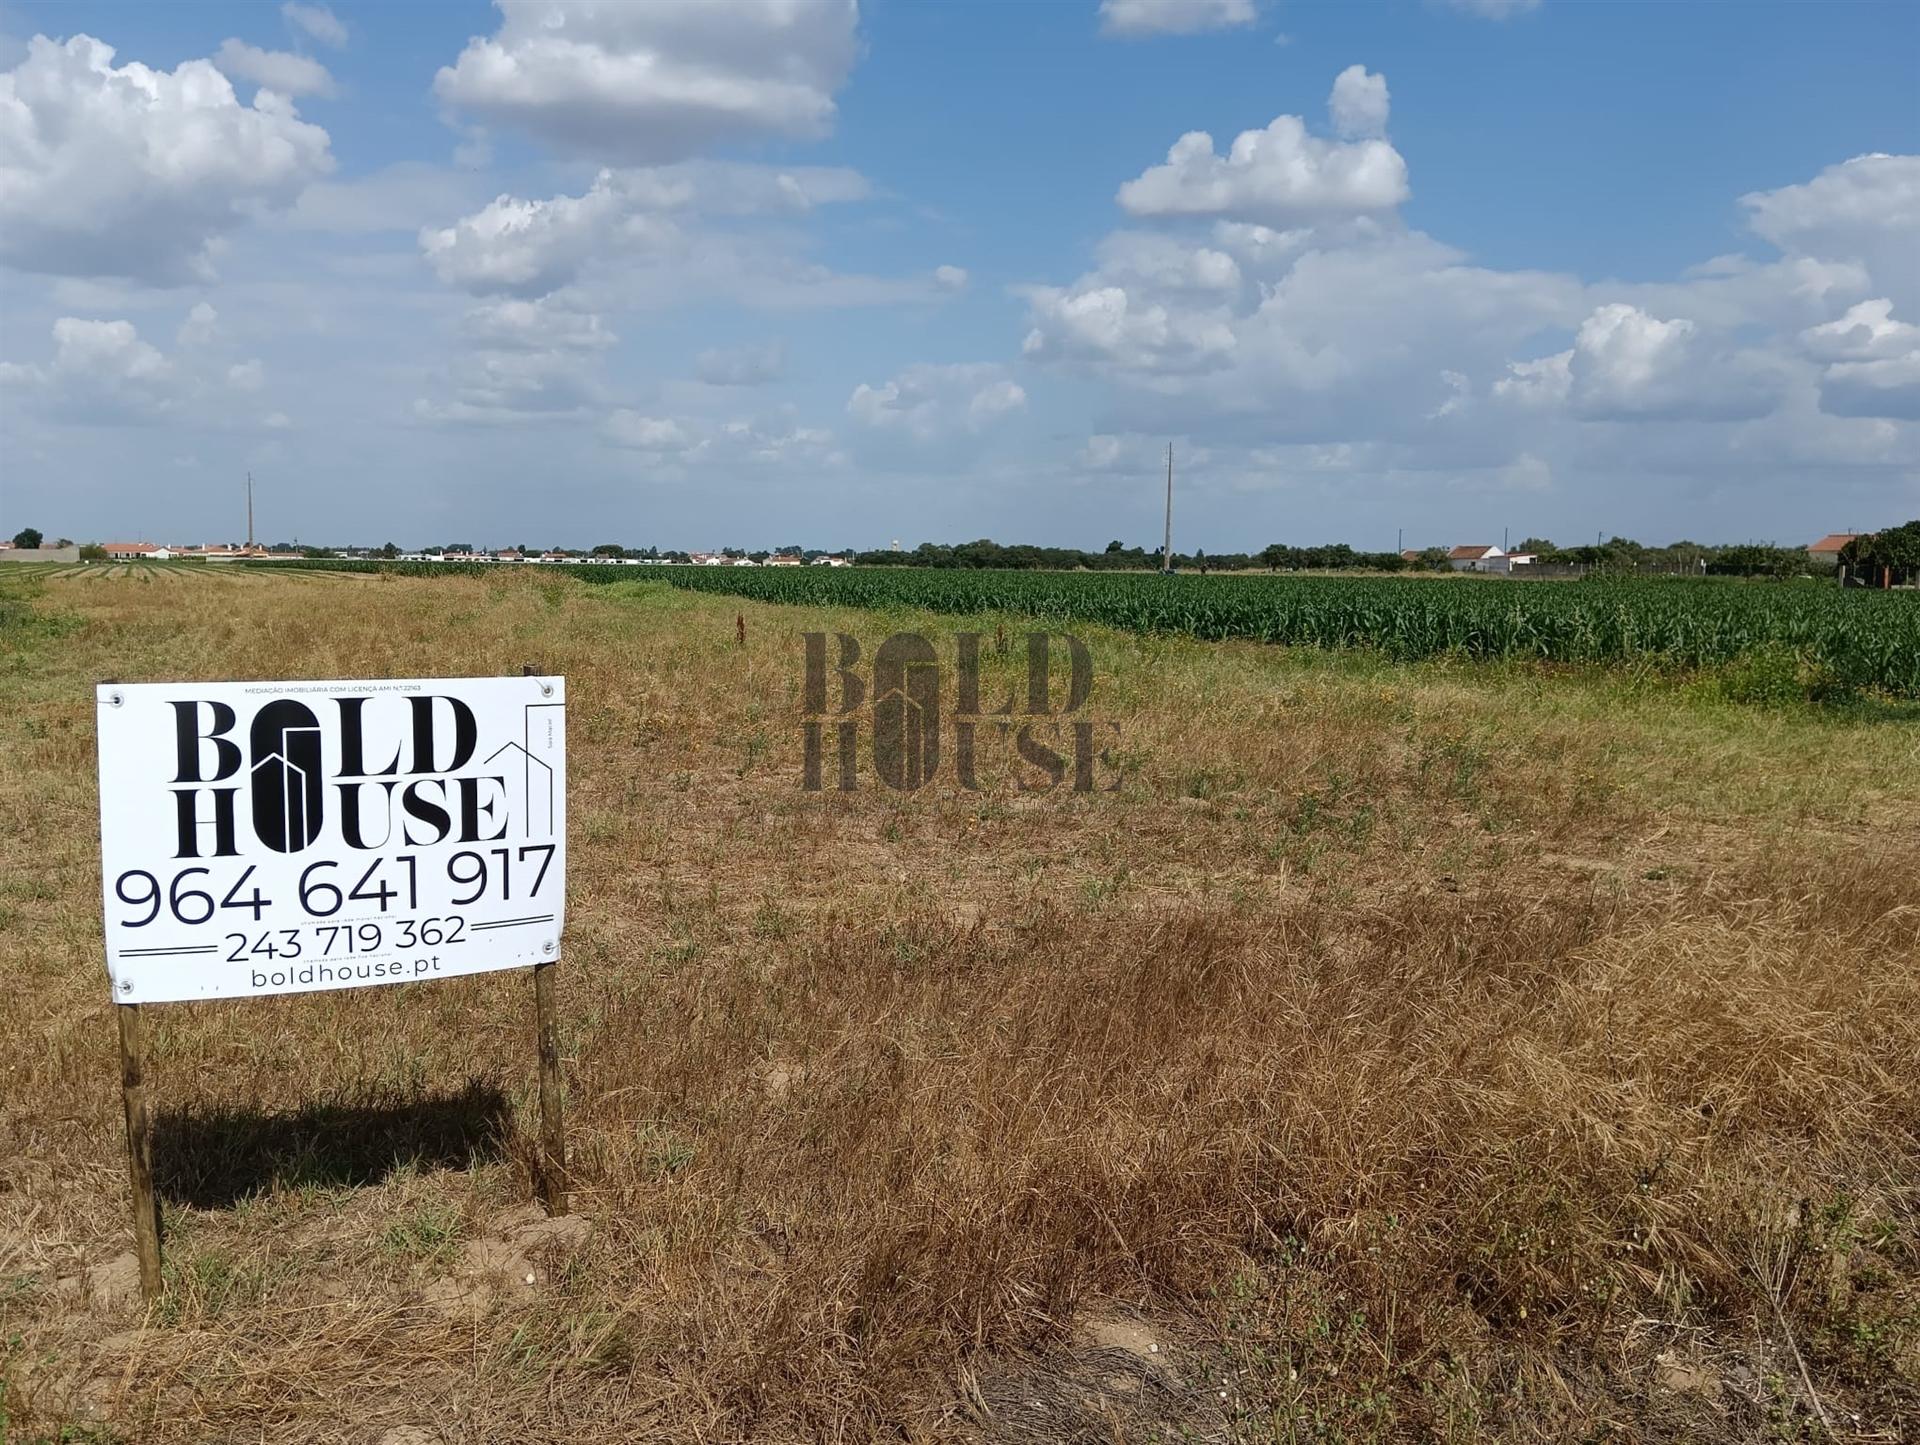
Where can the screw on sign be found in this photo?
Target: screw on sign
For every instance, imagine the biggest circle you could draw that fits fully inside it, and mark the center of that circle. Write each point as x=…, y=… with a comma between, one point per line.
x=283, y=837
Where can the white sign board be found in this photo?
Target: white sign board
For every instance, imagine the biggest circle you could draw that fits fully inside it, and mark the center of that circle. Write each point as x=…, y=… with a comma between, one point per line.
x=276, y=837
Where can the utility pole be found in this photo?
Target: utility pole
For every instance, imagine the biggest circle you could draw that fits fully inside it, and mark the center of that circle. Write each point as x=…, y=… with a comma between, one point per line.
x=1505, y=534
x=249, y=511
x=1399, y=539
x=1166, y=556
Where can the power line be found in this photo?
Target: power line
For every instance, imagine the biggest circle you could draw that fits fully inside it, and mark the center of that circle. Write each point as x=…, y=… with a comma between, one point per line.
x=1166, y=556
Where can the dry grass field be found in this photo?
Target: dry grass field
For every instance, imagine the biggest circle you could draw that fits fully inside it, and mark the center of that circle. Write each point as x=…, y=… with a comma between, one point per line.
x=1441, y=1052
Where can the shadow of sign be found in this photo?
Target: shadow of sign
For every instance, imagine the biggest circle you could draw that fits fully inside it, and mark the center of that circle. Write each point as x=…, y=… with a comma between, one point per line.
x=214, y=1158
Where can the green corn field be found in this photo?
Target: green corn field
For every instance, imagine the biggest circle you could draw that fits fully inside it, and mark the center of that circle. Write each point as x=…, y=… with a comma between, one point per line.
x=1863, y=640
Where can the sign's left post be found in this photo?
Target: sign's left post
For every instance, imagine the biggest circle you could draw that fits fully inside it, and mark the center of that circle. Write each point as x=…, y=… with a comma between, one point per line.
x=133, y=1094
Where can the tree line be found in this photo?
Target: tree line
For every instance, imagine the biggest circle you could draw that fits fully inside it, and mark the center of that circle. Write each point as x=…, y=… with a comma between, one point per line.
x=1890, y=555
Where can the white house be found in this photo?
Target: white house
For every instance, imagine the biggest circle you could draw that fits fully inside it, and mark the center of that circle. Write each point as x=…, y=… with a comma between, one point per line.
x=1478, y=559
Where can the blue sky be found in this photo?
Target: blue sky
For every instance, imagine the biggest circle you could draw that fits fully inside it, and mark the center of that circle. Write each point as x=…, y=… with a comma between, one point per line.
x=778, y=271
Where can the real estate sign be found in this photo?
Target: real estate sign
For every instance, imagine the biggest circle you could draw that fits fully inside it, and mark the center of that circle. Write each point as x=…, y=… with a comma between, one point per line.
x=276, y=837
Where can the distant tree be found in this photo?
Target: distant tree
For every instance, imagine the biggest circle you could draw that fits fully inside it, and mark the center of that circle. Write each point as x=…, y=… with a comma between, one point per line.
x=1757, y=559
x=64, y=542
x=316, y=552
x=1115, y=546
x=609, y=549
x=93, y=552
x=1895, y=549
x=389, y=551
x=27, y=537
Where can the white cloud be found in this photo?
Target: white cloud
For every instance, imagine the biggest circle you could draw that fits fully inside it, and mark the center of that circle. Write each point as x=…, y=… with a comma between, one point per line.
x=200, y=326
x=1116, y=329
x=1628, y=364
x=1280, y=175
x=627, y=428
x=772, y=440
x=1137, y=455
x=952, y=278
x=926, y=401
x=126, y=171
x=1545, y=382
x=1459, y=393
x=1889, y=387
x=752, y=365
x=275, y=69
x=101, y=371
x=1875, y=369
x=495, y=386
x=1867, y=332
x=1174, y=17
x=529, y=247
x=248, y=375
x=1865, y=210
x=1166, y=264
x=677, y=444
x=523, y=361
x=1626, y=361
x=544, y=325
x=661, y=80
x=316, y=22
x=1358, y=104
x=1494, y=9
x=730, y=188
x=1365, y=314
x=1262, y=246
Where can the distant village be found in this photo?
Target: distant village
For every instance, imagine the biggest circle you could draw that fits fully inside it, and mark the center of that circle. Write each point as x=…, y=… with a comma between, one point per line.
x=67, y=551
x=1838, y=554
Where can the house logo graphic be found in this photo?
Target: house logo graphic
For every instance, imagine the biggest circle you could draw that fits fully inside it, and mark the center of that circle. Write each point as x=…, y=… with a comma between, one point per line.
x=288, y=800
x=535, y=779
x=913, y=727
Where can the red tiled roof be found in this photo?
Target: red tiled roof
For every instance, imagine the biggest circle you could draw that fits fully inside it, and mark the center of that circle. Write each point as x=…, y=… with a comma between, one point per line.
x=1832, y=542
x=1470, y=554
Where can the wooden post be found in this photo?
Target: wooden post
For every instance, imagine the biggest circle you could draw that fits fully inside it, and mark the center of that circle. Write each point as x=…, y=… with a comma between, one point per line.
x=133, y=1093
x=550, y=1177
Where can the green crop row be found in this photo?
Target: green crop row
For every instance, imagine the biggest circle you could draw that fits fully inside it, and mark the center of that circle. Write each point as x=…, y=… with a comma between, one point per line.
x=1849, y=639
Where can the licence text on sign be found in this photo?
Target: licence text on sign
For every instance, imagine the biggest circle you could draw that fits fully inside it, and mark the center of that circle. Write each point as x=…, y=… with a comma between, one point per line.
x=276, y=837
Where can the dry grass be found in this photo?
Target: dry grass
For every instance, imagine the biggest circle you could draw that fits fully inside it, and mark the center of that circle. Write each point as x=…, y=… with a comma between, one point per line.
x=1412, y=1052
